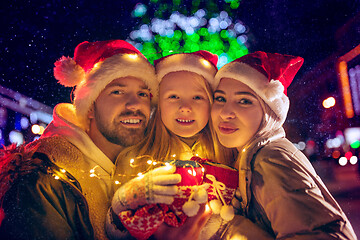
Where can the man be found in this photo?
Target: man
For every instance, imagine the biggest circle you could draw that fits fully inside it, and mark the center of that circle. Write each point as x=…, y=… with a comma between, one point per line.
x=60, y=186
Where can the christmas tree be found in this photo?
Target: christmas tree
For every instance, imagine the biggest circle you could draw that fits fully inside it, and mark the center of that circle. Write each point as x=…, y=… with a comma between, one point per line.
x=187, y=26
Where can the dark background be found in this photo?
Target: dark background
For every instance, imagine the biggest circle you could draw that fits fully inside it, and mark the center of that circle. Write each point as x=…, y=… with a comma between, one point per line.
x=34, y=34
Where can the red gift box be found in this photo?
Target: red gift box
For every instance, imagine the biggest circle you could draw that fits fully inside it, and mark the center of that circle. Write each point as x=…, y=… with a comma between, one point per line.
x=223, y=181
x=143, y=222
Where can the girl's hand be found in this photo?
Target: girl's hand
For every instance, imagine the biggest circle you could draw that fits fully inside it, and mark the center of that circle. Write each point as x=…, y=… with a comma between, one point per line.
x=156, y=186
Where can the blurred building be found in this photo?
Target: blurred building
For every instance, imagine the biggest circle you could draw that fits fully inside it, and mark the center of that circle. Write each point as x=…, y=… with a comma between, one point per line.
x=22, y=119
x=325, y=102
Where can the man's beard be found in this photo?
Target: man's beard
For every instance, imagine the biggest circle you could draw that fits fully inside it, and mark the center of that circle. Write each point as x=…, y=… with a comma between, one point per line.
x=115, y=133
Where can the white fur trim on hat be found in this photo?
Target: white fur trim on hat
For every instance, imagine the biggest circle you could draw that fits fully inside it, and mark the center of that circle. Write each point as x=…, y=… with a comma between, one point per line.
x=186, y=62
x=271, y=92
x=117, y=66
x=67, y=72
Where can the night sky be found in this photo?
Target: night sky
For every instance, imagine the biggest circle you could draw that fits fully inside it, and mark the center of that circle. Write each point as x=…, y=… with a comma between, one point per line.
x=34, y=34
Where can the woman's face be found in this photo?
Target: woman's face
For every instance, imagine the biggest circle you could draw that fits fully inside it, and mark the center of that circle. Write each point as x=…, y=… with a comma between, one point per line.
x=236, y=113
x=184, y=103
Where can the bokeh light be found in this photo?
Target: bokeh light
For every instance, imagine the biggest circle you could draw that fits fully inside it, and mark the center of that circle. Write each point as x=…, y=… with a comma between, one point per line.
x=215, y=32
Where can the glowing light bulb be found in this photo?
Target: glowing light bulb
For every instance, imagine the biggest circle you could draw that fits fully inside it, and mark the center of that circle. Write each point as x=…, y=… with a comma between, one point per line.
x=329, y=102
x=133, y=56
x=117, y=182
x=93, y=175
x=56, y=177
x=132, y=160
x=96, y=65
x=205, y=62
x=149, y=162
x=174, y=155
x=63, y=170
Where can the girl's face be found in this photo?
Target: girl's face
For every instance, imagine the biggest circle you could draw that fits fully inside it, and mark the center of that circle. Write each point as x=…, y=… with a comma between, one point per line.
x=236, y=113
x=184, y=103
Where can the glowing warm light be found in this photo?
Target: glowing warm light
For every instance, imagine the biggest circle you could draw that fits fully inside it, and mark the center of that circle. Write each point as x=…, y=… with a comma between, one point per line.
x=205, y=62
x=96, y=65
x=35, y=129
x=343, y=161
x=336, y=154
x=345, y=85
x=133, y=56
x=207, y=208
x=149, y=162
x=132, y=160
x=329, y=102
x=140, y=175
x=42, y=129
x=63, y=170
x=154, y=163
x=353, y=160
x=92, y=170
x=56, y=177
x=190, y=172
x=117, y=182
x=93, y=175
x=203, y=169
x=174, y=155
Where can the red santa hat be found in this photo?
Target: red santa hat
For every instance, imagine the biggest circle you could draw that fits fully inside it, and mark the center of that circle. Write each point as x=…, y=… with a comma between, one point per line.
x=267, y=74
x=201, y=62
x=95, y=65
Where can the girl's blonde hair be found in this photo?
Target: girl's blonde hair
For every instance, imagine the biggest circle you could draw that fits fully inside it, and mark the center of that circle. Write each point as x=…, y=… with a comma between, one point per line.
x=160, y=144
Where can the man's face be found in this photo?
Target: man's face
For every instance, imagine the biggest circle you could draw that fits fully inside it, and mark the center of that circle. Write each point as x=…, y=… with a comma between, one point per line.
x=122, y=111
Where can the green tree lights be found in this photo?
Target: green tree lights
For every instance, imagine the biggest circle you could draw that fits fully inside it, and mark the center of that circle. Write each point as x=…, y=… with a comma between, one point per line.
x=202, y=29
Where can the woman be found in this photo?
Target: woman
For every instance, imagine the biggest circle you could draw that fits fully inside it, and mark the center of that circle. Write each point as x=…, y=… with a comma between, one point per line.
x=279, y=189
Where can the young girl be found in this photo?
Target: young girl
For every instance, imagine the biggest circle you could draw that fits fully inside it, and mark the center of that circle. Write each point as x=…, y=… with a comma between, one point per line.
x=280, y=191
x=180, y=129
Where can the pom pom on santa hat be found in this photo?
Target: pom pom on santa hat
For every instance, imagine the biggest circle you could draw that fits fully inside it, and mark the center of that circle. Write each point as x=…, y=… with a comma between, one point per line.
x=267, y=74
x=95, y=65
x=201, y=62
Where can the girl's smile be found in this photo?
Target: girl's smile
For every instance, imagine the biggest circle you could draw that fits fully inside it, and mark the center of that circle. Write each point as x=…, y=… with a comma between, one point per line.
x=184, y=103
x=236, y=113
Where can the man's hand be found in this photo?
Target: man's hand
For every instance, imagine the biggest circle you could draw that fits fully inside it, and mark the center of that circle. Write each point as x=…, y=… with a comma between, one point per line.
x=189, y=230
x=156, y=186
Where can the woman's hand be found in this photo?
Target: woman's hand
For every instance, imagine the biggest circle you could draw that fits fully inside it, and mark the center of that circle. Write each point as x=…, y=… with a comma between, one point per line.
x=189, y=230
x=156, y=186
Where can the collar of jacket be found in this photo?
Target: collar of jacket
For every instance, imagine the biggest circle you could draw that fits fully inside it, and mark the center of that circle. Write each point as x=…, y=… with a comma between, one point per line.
x=245, y=160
